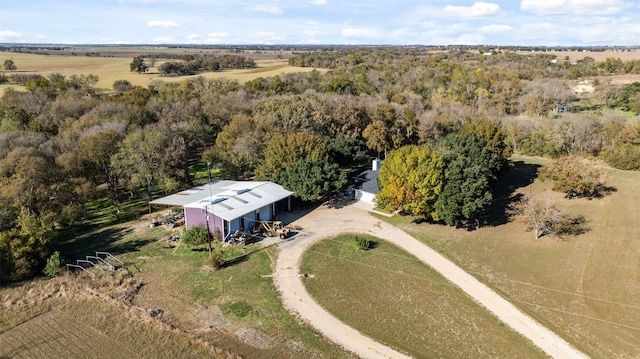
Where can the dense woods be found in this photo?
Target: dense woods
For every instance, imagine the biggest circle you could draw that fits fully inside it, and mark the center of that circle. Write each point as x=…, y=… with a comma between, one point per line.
x=64, y=144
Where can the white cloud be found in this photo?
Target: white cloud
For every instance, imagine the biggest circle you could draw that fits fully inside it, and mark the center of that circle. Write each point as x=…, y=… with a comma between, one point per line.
x=319, y=2
x=316, y=33
x=312, y=23
x=13, y=36
x=310, y=41
x=114, y=42
x=494, y=29
x=366, y=33
x=477, y=10
x=162, y=40
x=598, y=31
x=575, y=7
x=158, y=23
x=263, y=35
x=7, y=35
x=212, y=38
x=462, y=39
x=270, y=9
x=219, y=34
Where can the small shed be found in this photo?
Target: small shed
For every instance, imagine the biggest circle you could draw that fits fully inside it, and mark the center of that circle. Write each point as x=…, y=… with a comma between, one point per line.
x=366, y=183
x=228, y=205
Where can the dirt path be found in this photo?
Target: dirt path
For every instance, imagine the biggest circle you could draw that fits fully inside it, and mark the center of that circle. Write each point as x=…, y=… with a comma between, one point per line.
x=326, y=222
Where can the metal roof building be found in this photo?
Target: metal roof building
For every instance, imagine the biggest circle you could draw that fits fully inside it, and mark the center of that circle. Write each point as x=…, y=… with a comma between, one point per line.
x=227, y=205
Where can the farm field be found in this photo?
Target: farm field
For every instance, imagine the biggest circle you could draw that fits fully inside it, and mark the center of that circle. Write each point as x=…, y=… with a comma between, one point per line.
x=116, y=67
x=393, y=297
x=55, y=319
x=585, y=288
x=596, y=55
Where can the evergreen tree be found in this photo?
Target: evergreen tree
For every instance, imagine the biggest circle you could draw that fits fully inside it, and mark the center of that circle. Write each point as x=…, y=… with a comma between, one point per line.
x=470, y=166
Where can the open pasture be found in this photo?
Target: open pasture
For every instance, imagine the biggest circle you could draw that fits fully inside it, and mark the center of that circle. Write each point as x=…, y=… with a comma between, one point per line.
x=112, y=68
x=599, y=56
x=584, y=287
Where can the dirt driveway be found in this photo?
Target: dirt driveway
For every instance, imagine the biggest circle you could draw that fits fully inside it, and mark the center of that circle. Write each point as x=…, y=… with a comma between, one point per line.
x=328, y=221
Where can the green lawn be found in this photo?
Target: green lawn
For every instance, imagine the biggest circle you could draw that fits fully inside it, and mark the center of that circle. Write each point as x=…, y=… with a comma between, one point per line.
x=391, y=296
x=585, y=287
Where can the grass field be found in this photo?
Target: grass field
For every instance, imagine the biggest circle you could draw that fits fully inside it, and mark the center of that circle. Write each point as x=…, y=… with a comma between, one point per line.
x=110, y=69
x=75, y=317
x=585, y=288
x=393, y=297
x=232, y=312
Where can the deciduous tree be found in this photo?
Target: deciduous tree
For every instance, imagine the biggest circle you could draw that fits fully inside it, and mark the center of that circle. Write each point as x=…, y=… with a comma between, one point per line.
x=411, y=179
x=139, y=160
x=301, y=163
x=572, y=177
x=378, y=137
x=9, y=65
x=313, y=179
x=541, y=217
x=138, y=65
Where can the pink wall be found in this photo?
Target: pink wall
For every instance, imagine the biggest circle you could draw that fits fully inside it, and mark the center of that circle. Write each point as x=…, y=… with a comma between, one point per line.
x=198, y=217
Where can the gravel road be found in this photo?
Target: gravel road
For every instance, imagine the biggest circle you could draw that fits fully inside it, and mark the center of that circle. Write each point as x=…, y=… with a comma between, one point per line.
x=328, y=221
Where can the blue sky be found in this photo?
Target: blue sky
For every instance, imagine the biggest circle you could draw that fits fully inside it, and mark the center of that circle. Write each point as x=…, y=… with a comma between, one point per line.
x=393, y=22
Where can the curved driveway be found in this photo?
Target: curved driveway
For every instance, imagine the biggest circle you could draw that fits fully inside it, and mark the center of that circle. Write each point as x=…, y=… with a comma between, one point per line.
x=326, y=222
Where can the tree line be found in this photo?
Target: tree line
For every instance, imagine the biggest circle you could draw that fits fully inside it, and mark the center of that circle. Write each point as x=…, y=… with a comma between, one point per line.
x=190, y=64
x=64, y=144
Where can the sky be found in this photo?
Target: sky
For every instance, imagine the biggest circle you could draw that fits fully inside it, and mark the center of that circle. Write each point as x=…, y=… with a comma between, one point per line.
x=310, y=22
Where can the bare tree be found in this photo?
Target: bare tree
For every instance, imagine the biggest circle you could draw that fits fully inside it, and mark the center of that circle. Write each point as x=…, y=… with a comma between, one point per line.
x=542, y=217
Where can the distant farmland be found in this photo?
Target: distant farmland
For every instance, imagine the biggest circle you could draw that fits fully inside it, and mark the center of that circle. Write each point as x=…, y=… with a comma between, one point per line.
x=114, y=65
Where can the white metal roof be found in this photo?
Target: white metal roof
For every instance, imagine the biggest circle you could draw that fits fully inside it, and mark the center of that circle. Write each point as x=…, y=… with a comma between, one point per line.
x=192, y=195
x=232, y=199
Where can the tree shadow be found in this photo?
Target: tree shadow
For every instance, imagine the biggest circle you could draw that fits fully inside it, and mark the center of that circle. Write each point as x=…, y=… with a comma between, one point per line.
x=239, y=259
x=518, y=175
x=572, y=226
x=300, y=210
x=603, y=191
x=340, y=201
x=108, y=240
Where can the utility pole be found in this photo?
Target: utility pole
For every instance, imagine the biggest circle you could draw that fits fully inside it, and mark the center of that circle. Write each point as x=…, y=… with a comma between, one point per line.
x=208, y=231
x=207, y=208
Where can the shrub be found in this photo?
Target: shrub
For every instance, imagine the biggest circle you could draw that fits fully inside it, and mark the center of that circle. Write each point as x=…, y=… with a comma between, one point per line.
x=239, y=309
x=366, y=243
x=625, y=157
x=216, y=260
x=217, y=235
x=53, y=264
x=194, y=236
x=572, y=177
x=122, y=86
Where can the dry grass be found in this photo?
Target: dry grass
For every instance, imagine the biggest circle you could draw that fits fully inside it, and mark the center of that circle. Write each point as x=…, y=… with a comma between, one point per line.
x=391, y=296
x=596, y=55
x=73, y=316
x=114, y=313
x=585, y=288
x=110, y=69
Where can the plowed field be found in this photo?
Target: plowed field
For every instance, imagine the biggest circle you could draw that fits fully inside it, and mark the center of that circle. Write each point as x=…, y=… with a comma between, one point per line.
x=57, y=335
